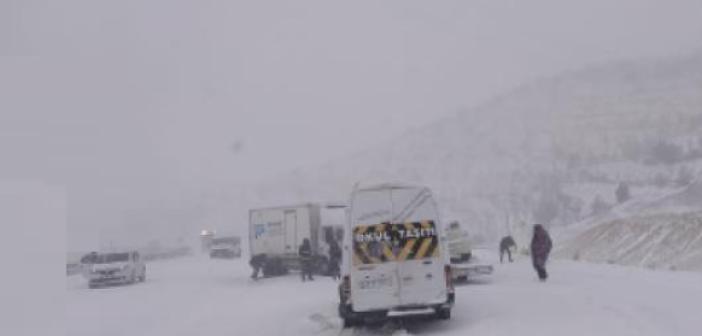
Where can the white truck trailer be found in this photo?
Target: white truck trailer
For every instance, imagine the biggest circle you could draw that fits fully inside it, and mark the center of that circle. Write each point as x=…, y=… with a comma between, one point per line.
x=278, y=232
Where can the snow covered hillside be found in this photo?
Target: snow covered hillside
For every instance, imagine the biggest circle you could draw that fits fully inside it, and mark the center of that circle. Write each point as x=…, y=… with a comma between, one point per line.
x=670, y=241
x=193, y=296
x=552, y=151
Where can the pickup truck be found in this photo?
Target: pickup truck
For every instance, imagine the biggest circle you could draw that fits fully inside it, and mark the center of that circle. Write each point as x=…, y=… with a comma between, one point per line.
x=465, y=262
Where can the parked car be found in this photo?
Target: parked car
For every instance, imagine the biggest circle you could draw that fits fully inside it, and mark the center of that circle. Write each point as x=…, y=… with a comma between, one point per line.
x=115, y=268
x=226, y=248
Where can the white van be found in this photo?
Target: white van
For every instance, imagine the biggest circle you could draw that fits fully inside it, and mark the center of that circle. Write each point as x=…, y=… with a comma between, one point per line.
x=395, y=261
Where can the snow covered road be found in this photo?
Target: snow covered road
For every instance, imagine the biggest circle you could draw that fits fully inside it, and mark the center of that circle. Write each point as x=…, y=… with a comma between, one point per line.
x=195, y=296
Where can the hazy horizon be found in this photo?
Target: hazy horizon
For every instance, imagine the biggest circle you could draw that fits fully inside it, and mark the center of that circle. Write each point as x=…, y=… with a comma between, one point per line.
x=136, y=105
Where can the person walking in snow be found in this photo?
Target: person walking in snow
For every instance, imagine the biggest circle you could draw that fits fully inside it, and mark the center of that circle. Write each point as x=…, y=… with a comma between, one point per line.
x=305, y=253
x=540, y=248
x=506, y=245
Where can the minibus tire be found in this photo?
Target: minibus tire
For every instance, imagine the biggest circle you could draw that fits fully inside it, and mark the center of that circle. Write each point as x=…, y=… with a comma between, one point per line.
x=345, y=314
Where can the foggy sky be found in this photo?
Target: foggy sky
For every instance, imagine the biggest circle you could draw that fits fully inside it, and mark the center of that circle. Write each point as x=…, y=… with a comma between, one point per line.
x=132, y=105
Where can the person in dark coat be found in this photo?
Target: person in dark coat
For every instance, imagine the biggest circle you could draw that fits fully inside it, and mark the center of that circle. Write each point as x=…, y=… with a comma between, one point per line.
x=257, y=262
x=305, y=253
x=334, y=259
x=540, y=248
x=506, y=245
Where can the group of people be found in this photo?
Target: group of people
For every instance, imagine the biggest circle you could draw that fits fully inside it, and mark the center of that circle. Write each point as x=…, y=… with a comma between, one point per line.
x=540, y=249
x=308, y=261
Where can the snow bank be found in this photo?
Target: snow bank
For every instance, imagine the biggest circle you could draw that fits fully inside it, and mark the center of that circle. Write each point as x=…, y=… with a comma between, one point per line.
x=671, y=241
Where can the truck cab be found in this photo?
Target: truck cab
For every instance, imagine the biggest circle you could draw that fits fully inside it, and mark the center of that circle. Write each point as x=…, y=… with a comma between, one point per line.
x=395, y=260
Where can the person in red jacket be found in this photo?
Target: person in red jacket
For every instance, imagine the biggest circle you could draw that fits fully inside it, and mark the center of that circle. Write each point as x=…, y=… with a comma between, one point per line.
x=540, y=248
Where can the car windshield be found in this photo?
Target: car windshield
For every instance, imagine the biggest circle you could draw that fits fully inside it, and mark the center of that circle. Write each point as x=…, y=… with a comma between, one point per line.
x=226, y=241
x=111, y=258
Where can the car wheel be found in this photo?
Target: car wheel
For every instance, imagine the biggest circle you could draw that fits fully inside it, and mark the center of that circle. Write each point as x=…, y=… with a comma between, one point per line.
x=444, y=314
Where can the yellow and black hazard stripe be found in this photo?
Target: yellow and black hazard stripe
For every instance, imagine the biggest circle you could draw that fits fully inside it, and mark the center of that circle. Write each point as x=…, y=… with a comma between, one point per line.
x=379, y=243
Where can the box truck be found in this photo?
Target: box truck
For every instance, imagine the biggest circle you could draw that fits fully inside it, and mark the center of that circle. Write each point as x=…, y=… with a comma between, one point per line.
x=278, y=232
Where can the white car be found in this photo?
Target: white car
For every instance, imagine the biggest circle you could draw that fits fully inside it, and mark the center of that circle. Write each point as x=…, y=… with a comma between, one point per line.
x=395, y=262
x=226, y=248
x=115, y=268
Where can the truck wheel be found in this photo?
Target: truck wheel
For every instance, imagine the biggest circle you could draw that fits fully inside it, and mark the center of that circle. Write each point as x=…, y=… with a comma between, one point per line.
x=274, y=267
x=349, y=323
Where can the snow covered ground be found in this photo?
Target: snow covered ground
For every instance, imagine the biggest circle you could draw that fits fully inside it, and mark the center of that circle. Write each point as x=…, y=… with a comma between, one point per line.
x=195, y=296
